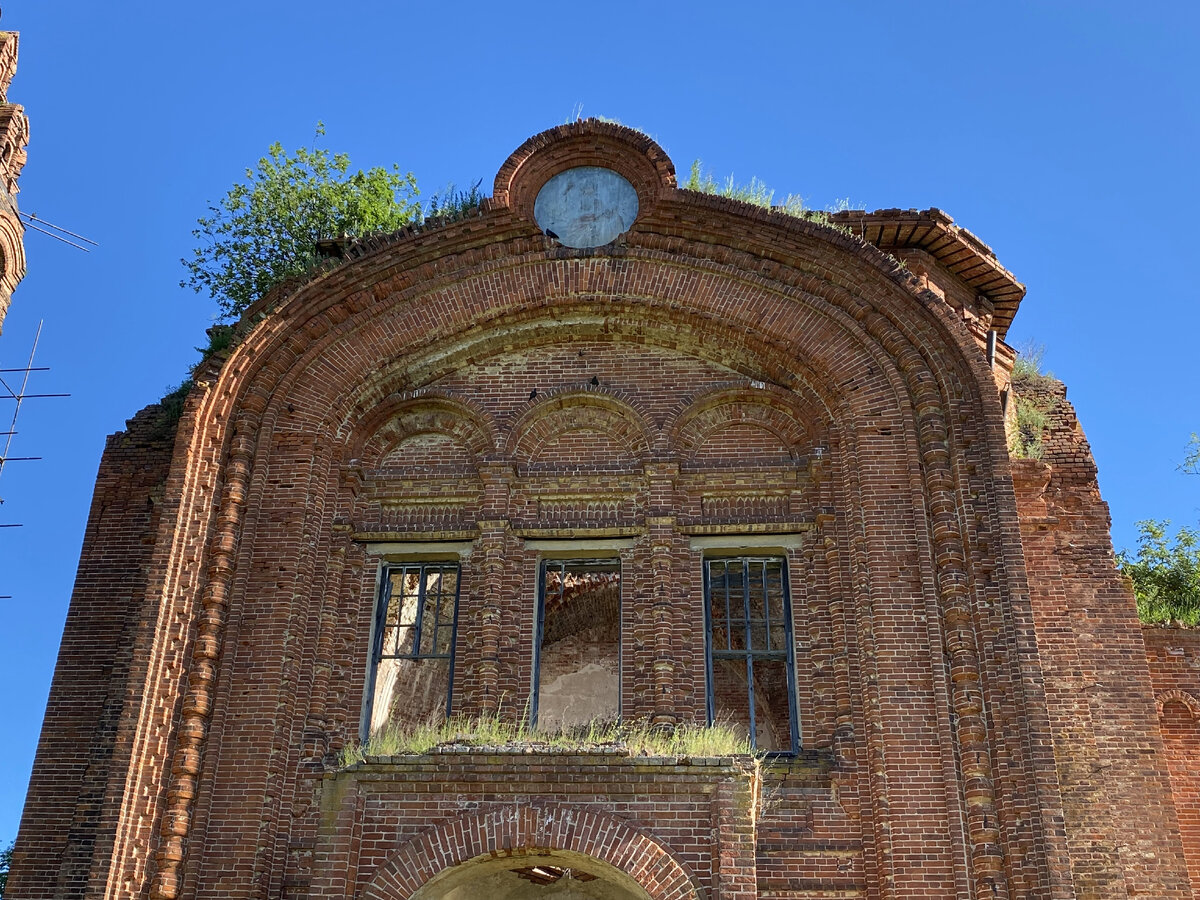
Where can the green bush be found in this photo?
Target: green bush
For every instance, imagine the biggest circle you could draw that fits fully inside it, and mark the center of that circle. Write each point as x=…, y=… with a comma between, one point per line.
x=1165, y=573
x=265, y=229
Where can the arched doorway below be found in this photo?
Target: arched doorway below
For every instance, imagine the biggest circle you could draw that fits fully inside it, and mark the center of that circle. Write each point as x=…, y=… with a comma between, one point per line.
x=532, y=875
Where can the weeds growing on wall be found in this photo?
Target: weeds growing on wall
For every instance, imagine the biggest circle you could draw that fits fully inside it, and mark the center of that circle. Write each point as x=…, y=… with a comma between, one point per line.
x=452, y=204
x=636, y=739
x=756, y=193
x=1032, y=418
x=170, y=410
x=1032, y=403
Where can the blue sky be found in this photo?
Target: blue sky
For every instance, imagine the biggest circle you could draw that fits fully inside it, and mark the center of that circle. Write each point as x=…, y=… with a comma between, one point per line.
x=1063, y=134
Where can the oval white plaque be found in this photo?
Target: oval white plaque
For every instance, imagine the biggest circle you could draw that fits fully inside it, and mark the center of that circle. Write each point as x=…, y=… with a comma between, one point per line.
x=587, y=206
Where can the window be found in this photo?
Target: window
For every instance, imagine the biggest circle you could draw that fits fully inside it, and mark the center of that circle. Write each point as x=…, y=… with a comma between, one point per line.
x=751, y=680
x=413, y=659
x=577, y=672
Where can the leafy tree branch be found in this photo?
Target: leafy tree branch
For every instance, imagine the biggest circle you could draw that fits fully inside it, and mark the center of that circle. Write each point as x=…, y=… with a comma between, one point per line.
x=1191, y=462
x=5, y=860
x=1165, y=573
x=266, y=229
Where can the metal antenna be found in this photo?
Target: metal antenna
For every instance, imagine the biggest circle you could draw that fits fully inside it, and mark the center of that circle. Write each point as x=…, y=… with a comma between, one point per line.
x=30, y=218
x=19, y=396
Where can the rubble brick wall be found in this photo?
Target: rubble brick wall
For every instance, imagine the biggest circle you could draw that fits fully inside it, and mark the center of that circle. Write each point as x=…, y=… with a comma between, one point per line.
x=1122, y=829
x=1174, y=657
x=67, y=821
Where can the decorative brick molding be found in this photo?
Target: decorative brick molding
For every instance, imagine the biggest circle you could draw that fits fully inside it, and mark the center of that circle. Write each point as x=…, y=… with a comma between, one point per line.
x=634, y=155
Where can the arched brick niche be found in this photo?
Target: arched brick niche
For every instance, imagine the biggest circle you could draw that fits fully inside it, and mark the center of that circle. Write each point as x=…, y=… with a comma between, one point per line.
x=416, y=868
x=560, y=427
x=1177, y=706
x=1179, y=722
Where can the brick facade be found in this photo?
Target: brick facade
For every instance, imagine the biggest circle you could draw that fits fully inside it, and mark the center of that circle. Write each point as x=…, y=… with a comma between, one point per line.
x=719, y=381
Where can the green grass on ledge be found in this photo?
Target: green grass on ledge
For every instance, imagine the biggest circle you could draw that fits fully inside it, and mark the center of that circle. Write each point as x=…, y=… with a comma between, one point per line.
x=636, y=739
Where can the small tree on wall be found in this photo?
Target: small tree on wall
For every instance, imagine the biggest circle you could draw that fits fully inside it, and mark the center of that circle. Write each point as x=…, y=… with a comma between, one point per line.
x=1165, y=573
x=266, y=229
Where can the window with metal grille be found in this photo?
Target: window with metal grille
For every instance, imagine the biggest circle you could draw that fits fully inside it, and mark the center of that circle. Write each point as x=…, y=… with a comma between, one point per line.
x=577, y=671
x=751, y=663
x=413, y=659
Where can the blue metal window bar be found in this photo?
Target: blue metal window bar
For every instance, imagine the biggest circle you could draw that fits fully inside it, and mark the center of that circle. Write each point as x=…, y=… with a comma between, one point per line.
x=417, y=619
x=748, y=624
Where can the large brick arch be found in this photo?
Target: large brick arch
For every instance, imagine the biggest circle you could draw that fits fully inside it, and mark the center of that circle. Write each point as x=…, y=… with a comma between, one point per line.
x=811, y=337
x=801, y=333
x=533, y=828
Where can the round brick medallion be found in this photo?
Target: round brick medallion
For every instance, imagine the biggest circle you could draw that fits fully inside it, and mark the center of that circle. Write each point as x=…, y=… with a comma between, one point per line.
x=586, y=206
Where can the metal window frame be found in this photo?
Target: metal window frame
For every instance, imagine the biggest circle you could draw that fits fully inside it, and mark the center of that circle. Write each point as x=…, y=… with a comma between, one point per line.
x=749, y=654
x=562, y=565
x=380, y=623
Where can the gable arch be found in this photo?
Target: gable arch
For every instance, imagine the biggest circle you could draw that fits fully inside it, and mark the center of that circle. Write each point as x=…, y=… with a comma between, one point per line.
x=601, y=836
x=764, y=407
x=571, y=409
x=402, y=416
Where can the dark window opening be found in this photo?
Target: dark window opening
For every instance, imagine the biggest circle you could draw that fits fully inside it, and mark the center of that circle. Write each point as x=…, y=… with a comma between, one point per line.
x=577, y=672
x=413, y=660
x=751, y=665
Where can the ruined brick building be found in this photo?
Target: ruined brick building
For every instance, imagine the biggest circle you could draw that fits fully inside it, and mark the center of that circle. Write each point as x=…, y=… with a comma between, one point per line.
x=612, y=448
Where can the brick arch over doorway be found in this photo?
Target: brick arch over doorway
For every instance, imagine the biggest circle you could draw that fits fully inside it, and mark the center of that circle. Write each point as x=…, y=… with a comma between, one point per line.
x=531, y=829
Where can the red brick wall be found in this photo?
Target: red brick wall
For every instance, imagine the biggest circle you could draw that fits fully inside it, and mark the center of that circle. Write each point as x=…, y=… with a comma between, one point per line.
x=1121, y=824
x=1174, y=657
x=372, y=814
x=70, y=817
x=763, y=382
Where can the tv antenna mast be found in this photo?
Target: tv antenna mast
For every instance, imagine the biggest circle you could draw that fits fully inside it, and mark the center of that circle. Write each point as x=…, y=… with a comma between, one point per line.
x=19, y=395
